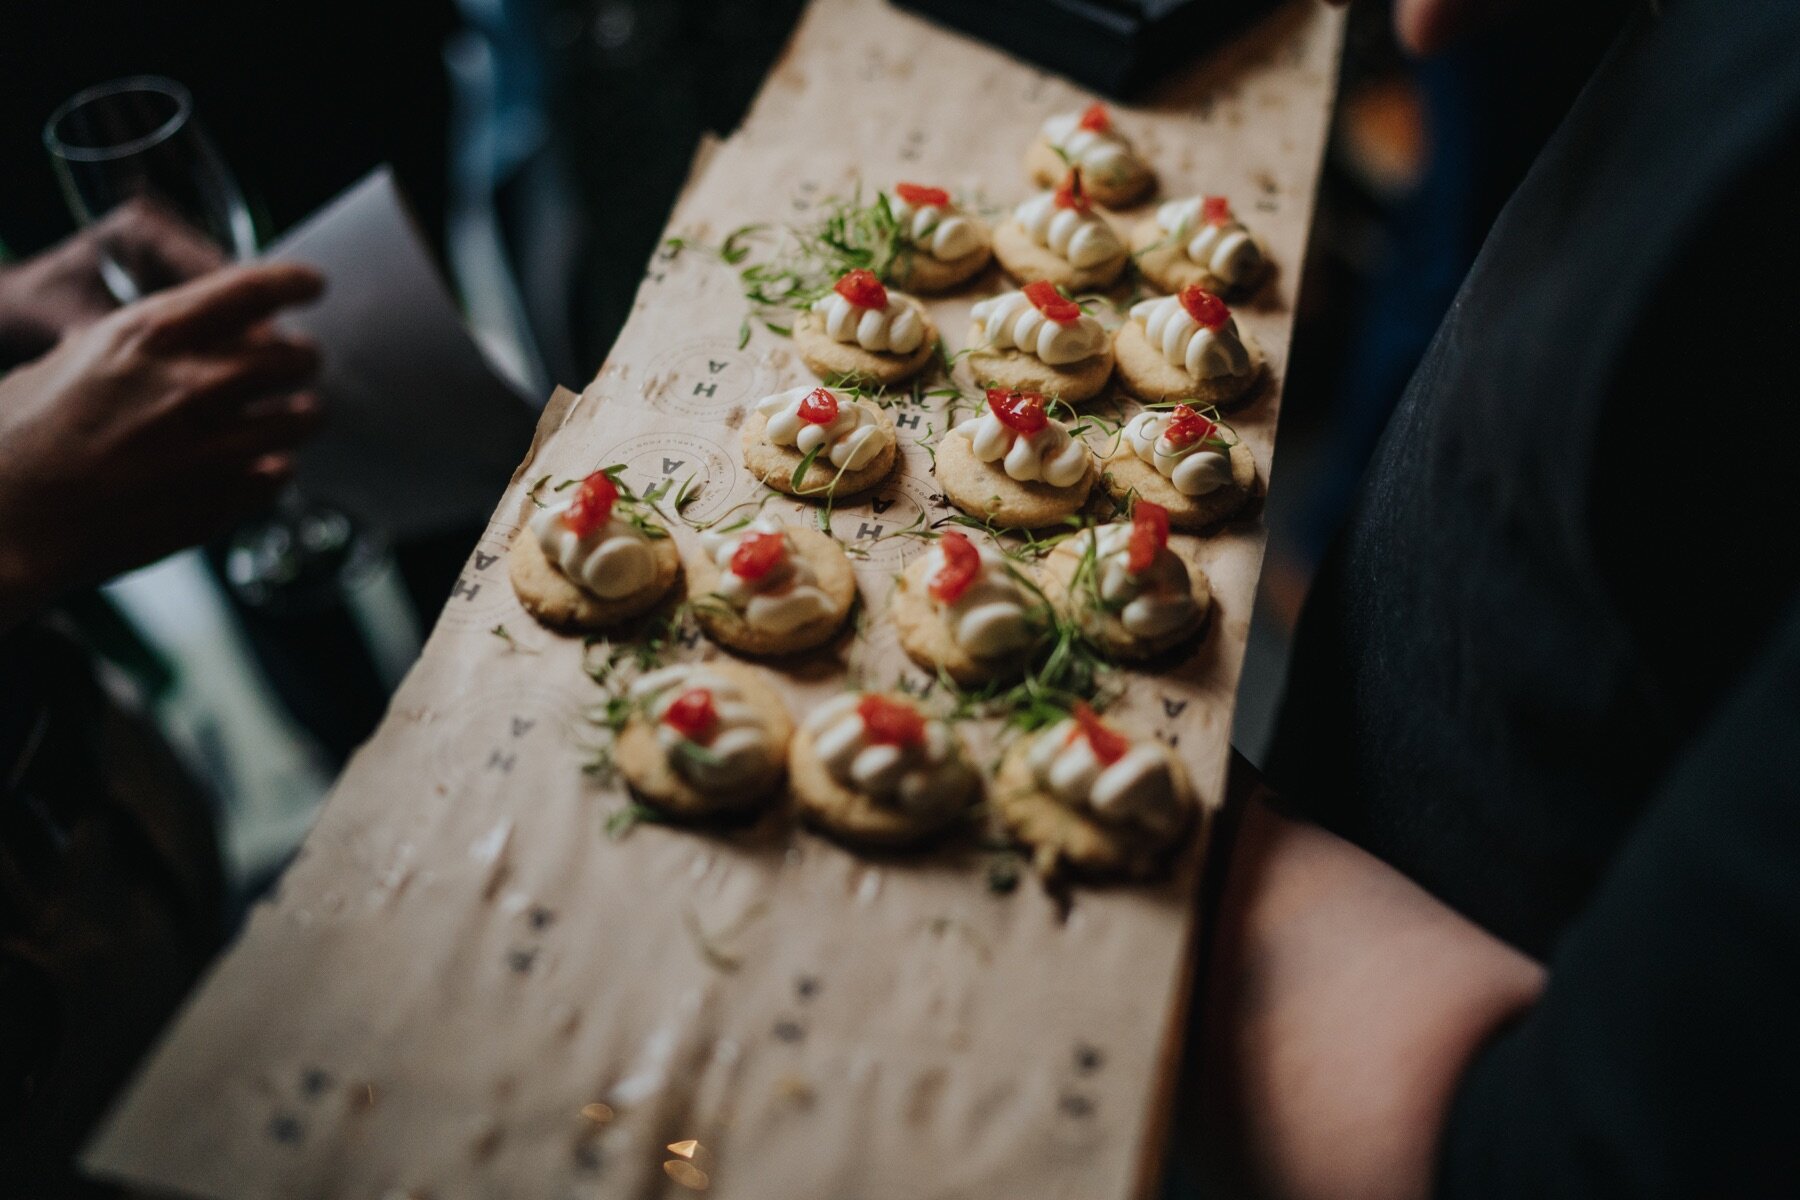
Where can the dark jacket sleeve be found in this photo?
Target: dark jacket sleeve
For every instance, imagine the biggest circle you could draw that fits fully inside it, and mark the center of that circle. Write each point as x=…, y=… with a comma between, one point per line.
x=1664, y=1058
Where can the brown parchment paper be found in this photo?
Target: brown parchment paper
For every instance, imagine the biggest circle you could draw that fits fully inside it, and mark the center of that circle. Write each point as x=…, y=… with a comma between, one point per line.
x=465, y=988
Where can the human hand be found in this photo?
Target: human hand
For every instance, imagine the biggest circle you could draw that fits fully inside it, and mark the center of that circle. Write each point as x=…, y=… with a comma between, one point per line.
x=61, y=290
x=154, y=428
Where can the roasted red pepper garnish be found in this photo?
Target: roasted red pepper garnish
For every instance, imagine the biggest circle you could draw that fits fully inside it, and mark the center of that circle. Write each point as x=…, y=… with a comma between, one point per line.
x=922, y=197
x=962, y=564
x=1096, y=118
x=757, y=554
x=1149, y=534
x=1108, y=745
x=819, y=408
x=693, y=715
x=861, y=288
x=1053, y=304
x=1021, y=412
x=889, y=722
x=1216, y=210
x=592, y=506
x=1070, y=193
x=1204, y=307
x=1186, y=427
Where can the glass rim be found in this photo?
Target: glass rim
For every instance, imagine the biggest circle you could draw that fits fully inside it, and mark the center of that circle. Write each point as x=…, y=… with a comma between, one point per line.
x=161, y=84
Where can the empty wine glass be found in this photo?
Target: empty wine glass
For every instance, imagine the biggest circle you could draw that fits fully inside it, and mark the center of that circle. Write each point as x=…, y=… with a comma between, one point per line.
x=136, y=141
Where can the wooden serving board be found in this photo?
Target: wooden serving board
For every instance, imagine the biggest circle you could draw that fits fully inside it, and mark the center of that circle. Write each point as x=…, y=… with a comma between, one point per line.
x=466, y=987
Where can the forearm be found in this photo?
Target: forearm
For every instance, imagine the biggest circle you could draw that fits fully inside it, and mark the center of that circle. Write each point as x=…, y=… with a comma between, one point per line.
x=1342, y=1004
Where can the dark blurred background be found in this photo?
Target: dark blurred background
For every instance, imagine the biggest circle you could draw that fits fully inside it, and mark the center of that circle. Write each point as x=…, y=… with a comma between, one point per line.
x=542, y=143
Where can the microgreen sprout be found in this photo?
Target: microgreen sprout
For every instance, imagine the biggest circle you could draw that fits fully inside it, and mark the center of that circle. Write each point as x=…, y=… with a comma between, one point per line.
x=513, y=645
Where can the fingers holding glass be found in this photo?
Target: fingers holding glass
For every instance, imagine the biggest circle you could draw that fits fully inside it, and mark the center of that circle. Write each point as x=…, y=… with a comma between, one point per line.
x=224, y=305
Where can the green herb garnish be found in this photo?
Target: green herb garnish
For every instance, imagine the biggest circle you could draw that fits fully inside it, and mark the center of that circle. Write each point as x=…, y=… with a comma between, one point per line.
x=1003, y=873
x=512, y=643
x=806, y=261
x=623, y=820
x=1068, y=667
x=806, y=462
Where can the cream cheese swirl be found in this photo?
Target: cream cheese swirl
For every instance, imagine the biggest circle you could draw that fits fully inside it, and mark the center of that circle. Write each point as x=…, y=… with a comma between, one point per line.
x=851, y=440
x=1139, y=788
x=1084, y=238
x=940, y=231
x=1228, y=252
x=1194, y=470
x=925, y=778
x=1201, y=352
x=613, y=561
x=783, y=599
x=1010, y=321
x=992, y=618
x=737, y=755
x=1104, y=153
x=1049, y=456
x=898, y=328
x=1154, y=602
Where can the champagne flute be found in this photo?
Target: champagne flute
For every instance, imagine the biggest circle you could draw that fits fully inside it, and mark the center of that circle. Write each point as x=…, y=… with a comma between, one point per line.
x=136, y=141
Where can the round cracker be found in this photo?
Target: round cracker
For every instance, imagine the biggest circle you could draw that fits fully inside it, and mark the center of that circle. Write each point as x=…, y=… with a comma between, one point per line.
x=926, y=636
x=986, y=492
x=854, y=816
x=1047, y=168
x=1152, y=378
x=727, y=626
x=1106, y=628
x=1164, y=262
x=559, y=602
x=1126, y=473
x=1028, y=262
x=653, y=778
x=1064, y=839
x=1018, y=371
x=775, y=465
x=831, y=359
x=921, y=271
